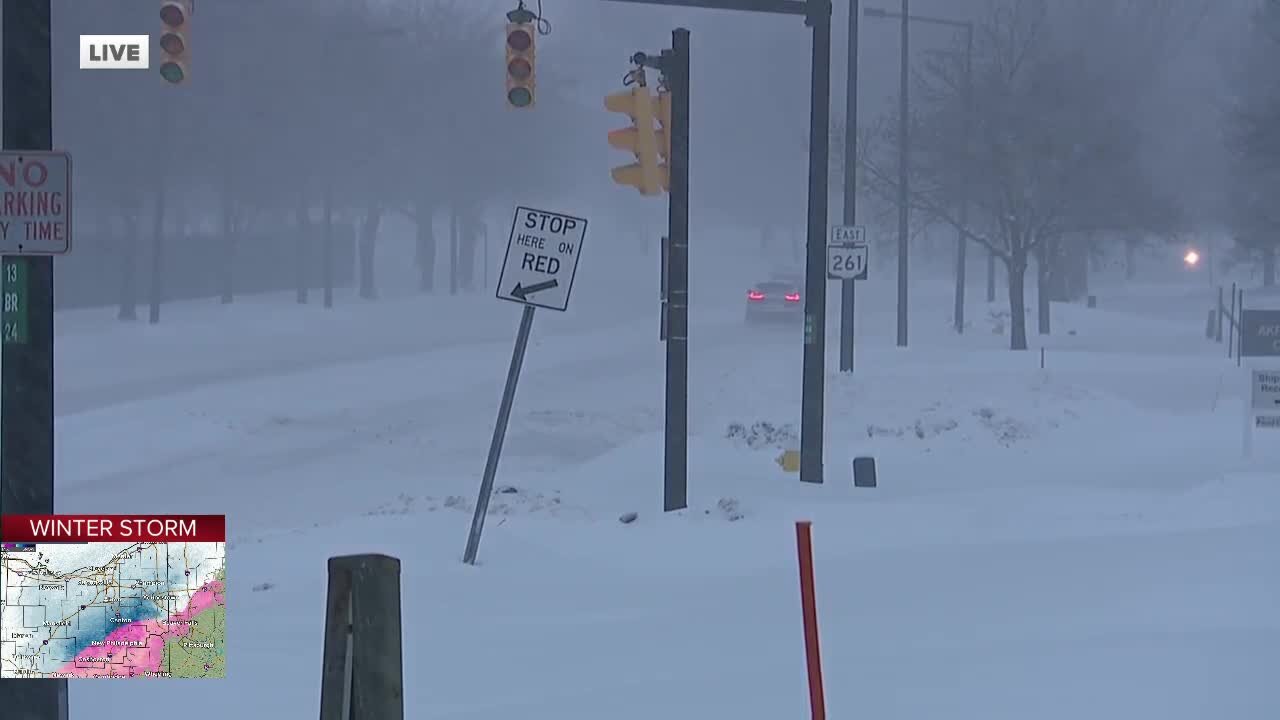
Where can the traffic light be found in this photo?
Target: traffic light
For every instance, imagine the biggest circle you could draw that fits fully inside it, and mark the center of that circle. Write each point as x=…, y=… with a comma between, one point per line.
x=641, y=139
x=520, y=72
x=175, y=15
x=664, y=138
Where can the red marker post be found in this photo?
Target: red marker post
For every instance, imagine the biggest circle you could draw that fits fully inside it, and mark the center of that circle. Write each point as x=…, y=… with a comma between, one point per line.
x=809, y=605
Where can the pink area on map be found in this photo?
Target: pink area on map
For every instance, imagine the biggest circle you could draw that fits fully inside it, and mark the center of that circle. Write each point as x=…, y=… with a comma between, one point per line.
x=154, y=633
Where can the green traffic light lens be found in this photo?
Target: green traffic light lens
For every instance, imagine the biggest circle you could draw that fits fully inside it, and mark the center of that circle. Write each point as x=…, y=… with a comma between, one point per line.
x=172, y=72
x=520, y=97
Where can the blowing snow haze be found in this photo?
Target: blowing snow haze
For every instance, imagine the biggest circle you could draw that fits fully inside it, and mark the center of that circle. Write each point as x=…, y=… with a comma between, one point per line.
x=479, y=359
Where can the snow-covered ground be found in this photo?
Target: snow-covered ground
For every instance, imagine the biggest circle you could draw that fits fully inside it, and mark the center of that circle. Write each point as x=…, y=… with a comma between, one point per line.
x=1078, y=541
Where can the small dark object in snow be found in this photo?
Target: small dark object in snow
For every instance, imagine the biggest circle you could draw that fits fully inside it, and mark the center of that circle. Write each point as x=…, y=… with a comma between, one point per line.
x=864, y=472
x=729, y=506
x=508, y=490
x=263, y=587
x=627, y=518
x=1071, y=332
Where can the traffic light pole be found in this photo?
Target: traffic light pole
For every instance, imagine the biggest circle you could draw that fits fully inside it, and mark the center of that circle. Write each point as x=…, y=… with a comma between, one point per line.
x=26, y=368
x=675, y=486
x=813, y=389
x=847, y=296
x=817, y=14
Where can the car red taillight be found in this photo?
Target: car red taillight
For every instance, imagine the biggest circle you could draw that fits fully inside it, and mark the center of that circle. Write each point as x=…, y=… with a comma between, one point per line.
x=755, y=296
x=792, y=297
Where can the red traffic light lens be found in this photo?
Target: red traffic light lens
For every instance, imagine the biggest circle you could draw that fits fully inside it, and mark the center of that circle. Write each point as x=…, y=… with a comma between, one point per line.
x=519, y=69
x=172, y=15
x=519, y=40
x=172, y=43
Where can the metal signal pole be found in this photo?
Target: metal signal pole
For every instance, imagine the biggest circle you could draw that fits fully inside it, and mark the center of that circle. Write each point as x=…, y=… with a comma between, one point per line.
x=847, y=296
x=26, y=368
x=675, y=487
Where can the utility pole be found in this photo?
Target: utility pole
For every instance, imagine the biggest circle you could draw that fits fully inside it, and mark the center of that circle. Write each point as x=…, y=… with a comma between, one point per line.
x=26, y=369
x=847, y=296
x=961, y=240
x=968, y=109
x=903, y=189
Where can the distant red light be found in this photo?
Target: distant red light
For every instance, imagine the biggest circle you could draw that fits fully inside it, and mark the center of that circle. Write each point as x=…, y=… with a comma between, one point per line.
x=792, y=297
x=172, y=15
x=755, y=296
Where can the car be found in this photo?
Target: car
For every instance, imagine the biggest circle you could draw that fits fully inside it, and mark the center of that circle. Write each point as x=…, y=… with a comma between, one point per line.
x=774, y=301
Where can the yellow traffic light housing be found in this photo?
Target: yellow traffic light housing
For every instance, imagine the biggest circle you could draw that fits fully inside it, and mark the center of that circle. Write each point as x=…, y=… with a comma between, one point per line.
x=520, y=68
x=175, y=59
x=664, y=138
x=641, y=139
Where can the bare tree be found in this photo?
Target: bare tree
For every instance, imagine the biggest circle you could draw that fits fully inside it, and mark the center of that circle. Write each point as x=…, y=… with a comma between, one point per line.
x=1254, y=139
x=1054, y=153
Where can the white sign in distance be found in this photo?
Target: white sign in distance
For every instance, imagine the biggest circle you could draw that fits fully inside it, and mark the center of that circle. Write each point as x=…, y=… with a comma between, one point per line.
x=542, y=258
x=35, y=202
x=847, y=262
x=848, y=235
x=1266, y=390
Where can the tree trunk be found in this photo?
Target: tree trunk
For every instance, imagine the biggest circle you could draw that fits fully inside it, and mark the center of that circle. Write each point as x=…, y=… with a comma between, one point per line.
x=157, y=253
x=302, y=258
x=1044, y=253
x=425, y=246
x=1016, y=268
x=368, y=243
x=991, y=277
x=1131, y=257
x=326, y=251
x=453, y=249
x=468, y=234
x=229, y=241
x=1076, y=269
x=129, y=266
x=1269, y=266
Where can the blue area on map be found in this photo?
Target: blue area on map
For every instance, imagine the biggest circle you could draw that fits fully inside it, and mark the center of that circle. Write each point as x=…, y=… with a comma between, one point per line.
x=96, y=622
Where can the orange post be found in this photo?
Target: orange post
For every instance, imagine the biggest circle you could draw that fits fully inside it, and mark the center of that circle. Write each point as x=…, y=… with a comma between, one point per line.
x=813, y=656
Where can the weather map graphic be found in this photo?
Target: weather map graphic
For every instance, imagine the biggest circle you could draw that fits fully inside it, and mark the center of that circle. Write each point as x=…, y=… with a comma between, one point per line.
x=89, y=608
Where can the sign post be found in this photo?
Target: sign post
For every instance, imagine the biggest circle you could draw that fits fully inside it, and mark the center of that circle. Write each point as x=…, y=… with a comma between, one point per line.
x=29, y=228
x=1260, y=338
x=538, y=270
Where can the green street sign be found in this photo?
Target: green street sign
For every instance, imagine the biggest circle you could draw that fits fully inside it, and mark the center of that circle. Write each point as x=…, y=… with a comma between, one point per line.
x=13, y=286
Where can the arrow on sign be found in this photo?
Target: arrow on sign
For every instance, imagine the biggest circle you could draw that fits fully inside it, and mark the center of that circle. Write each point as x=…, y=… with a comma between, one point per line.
x=520, y=292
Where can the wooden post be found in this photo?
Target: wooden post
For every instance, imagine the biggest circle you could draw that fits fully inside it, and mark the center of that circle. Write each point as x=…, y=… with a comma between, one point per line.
x=362, y=676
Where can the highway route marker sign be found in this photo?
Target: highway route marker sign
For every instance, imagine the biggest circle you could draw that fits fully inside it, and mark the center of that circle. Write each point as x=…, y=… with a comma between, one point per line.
x=542, y=258
x=847, y=262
